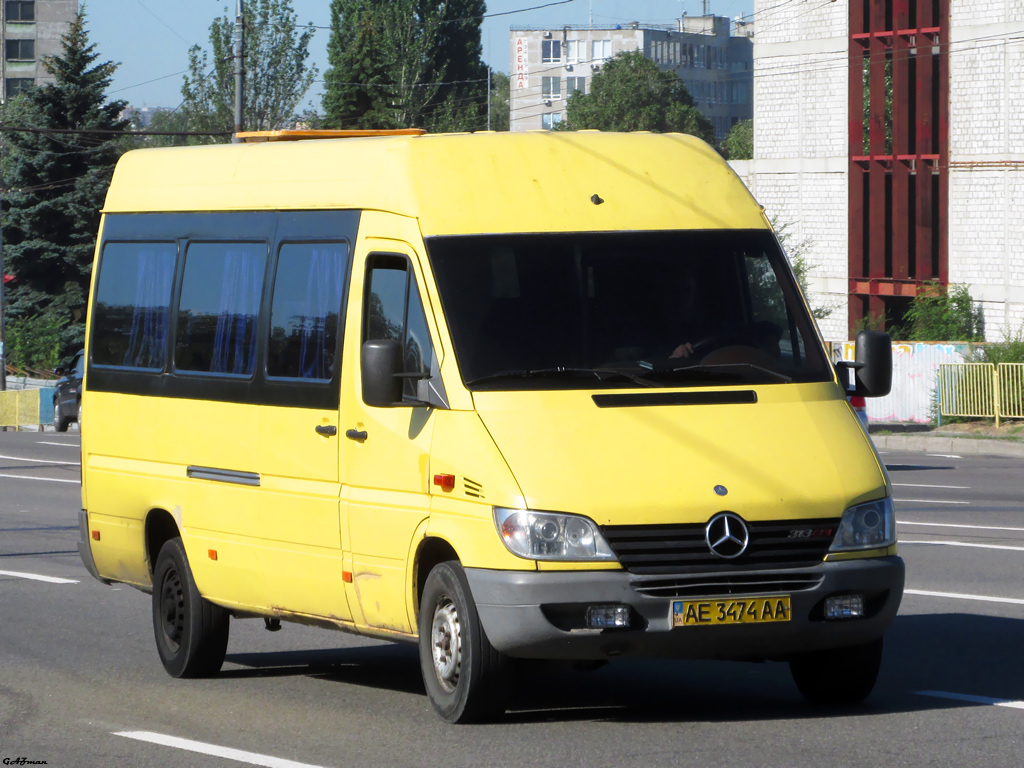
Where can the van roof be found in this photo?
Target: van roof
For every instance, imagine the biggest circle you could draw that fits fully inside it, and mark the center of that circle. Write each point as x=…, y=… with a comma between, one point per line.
x=454, y=184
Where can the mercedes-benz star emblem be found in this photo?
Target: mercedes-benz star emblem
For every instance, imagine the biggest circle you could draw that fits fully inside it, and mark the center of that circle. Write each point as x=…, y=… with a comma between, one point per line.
x=727, y=535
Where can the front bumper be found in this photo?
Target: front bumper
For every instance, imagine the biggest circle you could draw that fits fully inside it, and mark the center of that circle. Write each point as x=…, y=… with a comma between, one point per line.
x=537, y=615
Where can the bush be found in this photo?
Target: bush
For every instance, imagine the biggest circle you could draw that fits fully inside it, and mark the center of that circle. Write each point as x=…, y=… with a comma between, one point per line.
x=36, y=342
x=942, y=313
x=1010, y=350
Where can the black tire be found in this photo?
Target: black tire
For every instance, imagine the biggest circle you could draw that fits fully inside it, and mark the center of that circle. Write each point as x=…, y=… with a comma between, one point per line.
x=838, y=677
x=465, y=677
x=60, y=421
x=191, y=632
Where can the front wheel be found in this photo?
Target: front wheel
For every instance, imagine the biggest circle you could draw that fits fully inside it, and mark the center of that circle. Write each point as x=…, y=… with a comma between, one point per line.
x=465, y=677
x=60, y=421
x=840, y=676
x=191, y=632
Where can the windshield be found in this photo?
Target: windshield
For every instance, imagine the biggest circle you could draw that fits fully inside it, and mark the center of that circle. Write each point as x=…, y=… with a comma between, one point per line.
x=624, y=310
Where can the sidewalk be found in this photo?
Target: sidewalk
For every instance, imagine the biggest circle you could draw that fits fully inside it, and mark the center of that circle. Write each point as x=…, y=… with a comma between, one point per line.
x=902, y=437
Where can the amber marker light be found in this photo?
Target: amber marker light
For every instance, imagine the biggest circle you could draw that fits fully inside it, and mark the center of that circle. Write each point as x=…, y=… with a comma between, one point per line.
x=445, y=482
x=212, y=553
x=95, y=535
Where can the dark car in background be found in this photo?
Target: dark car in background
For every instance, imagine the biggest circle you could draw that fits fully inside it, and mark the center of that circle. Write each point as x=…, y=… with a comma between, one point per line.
x=67, y=394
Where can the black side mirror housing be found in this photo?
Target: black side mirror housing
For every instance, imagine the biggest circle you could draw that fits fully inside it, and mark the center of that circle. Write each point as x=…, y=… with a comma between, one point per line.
x=381, y=362
x=873, y=366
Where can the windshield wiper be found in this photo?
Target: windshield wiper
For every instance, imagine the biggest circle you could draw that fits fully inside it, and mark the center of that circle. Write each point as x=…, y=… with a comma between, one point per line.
x=601, y=374
x=722, y=372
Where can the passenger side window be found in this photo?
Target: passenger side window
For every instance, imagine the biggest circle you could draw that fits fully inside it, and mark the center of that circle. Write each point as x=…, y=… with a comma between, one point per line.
x=130, y=312
x=219, y=308
x=306, y=310
x=394, y=310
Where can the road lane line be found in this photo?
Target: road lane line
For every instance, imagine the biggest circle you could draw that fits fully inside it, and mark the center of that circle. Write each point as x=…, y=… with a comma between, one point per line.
x=37, y=577
x=44, y=479
x=958, y=596
x=40, y=461
x=970, y=544
x=931, y=501
x=62, y=445
x=919, y=485
x=961, y=525
x=973, y=699
x=253, y=758
x=944, y=455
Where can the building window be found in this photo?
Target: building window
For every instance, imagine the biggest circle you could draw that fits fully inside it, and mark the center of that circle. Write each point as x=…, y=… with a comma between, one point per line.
x=20, y=10
x=551, y=50
x=21, y=50
x=575, y=51
x=602, y=49
x=550, y=119
x=16, y=85
x=551, y=88
x=573, y=84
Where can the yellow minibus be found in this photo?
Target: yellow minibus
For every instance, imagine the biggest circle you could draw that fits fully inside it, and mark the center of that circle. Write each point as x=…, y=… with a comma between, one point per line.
x=543, y=395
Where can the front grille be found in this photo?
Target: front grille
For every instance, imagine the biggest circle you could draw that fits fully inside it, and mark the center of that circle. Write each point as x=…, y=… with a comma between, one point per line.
x=680, y=549
x=720, y=585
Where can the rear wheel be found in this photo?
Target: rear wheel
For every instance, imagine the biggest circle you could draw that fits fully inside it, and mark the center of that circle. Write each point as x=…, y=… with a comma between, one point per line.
x=191, y=632
x=465, y=677
x=839, y=676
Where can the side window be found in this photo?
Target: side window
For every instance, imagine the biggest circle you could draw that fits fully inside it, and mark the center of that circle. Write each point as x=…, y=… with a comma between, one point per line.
x=393, y=310
x=219, y=308
x=133, y=295
x=306, y=310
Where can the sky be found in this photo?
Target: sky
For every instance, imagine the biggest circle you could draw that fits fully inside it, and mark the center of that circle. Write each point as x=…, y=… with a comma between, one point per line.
x=150, y=38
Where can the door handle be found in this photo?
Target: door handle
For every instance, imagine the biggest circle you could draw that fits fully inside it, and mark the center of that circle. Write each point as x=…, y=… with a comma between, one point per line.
x=355, y=434
x=327, y=431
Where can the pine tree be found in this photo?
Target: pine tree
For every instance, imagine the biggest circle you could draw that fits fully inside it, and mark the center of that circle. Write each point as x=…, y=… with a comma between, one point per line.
x=55, y=184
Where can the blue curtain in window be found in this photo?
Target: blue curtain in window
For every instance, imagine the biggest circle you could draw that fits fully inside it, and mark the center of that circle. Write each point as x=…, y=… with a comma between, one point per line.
x=234, y=343
x=148, y=337
x=324, y=287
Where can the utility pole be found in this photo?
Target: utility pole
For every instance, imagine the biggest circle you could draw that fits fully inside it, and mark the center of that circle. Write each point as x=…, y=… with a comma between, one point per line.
x=239, y=70
x=488, y=98
x=3, y=336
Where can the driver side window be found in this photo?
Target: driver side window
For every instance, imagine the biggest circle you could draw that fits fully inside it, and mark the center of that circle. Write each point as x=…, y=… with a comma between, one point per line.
x=394, y=310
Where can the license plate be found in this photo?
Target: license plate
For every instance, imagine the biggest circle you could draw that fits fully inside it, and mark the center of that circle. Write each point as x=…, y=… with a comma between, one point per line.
x=736, y=610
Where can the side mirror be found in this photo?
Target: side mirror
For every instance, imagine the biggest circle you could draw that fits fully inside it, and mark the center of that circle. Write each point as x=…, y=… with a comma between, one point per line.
x=873, y=366
x=59, y=370
x=381, y=361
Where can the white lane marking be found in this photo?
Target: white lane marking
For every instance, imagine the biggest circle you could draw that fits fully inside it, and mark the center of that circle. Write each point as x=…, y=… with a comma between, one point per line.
x=44, y=479
x=916, y=485
x=959, y=596
x=37, y=577
x=961, y=525
x=944, y=455
x=253, y=758
x=964, y=544
x=972, y=699
x=931, y=501
x=62, y=445
x=39, y=461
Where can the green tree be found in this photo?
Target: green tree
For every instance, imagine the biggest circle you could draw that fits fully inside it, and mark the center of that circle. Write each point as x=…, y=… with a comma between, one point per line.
x=61, y=146
x=739, y=144
x=630, y=93
x=500, y=116
x=405, y=63
x=943, y=313
x=276, y=73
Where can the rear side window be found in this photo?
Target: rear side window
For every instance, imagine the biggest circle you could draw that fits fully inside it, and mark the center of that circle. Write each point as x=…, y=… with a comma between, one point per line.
x=130, y=313
x=306, y=310
x=219, y=308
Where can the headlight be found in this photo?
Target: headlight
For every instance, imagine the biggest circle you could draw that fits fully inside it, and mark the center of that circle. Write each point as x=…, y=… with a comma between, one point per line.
x=550, y=536
x=866, y=526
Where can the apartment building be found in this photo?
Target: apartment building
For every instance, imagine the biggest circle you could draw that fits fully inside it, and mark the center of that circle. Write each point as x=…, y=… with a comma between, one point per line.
x=548, y=65
x=32, y=31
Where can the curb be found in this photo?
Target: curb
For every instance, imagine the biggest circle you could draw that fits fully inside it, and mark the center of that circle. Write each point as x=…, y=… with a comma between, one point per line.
x=939, y=444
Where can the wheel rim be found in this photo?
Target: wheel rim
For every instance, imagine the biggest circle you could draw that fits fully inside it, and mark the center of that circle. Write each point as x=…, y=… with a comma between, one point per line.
x=446, y=644
x=172, y=609
x=56, y=415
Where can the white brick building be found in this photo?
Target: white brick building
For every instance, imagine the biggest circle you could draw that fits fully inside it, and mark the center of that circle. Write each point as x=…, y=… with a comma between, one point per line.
x=805, y=153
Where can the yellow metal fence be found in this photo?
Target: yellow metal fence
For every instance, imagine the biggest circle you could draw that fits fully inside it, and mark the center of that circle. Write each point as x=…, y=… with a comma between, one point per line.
x=982, y=389
x=19, y=408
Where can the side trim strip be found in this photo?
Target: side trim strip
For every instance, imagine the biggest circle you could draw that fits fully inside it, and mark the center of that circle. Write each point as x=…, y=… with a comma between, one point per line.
x=740, y=397
x=224, y=475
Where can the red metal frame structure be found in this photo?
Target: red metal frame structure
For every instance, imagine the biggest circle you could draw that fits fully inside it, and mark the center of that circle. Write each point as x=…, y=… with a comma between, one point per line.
x=899, y=181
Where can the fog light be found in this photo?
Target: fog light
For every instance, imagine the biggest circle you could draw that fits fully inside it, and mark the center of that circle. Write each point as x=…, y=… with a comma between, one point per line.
x=607, y=616
x=844, y=607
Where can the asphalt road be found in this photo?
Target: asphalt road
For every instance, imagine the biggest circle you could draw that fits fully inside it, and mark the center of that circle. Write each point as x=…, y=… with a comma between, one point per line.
x=81, y=685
